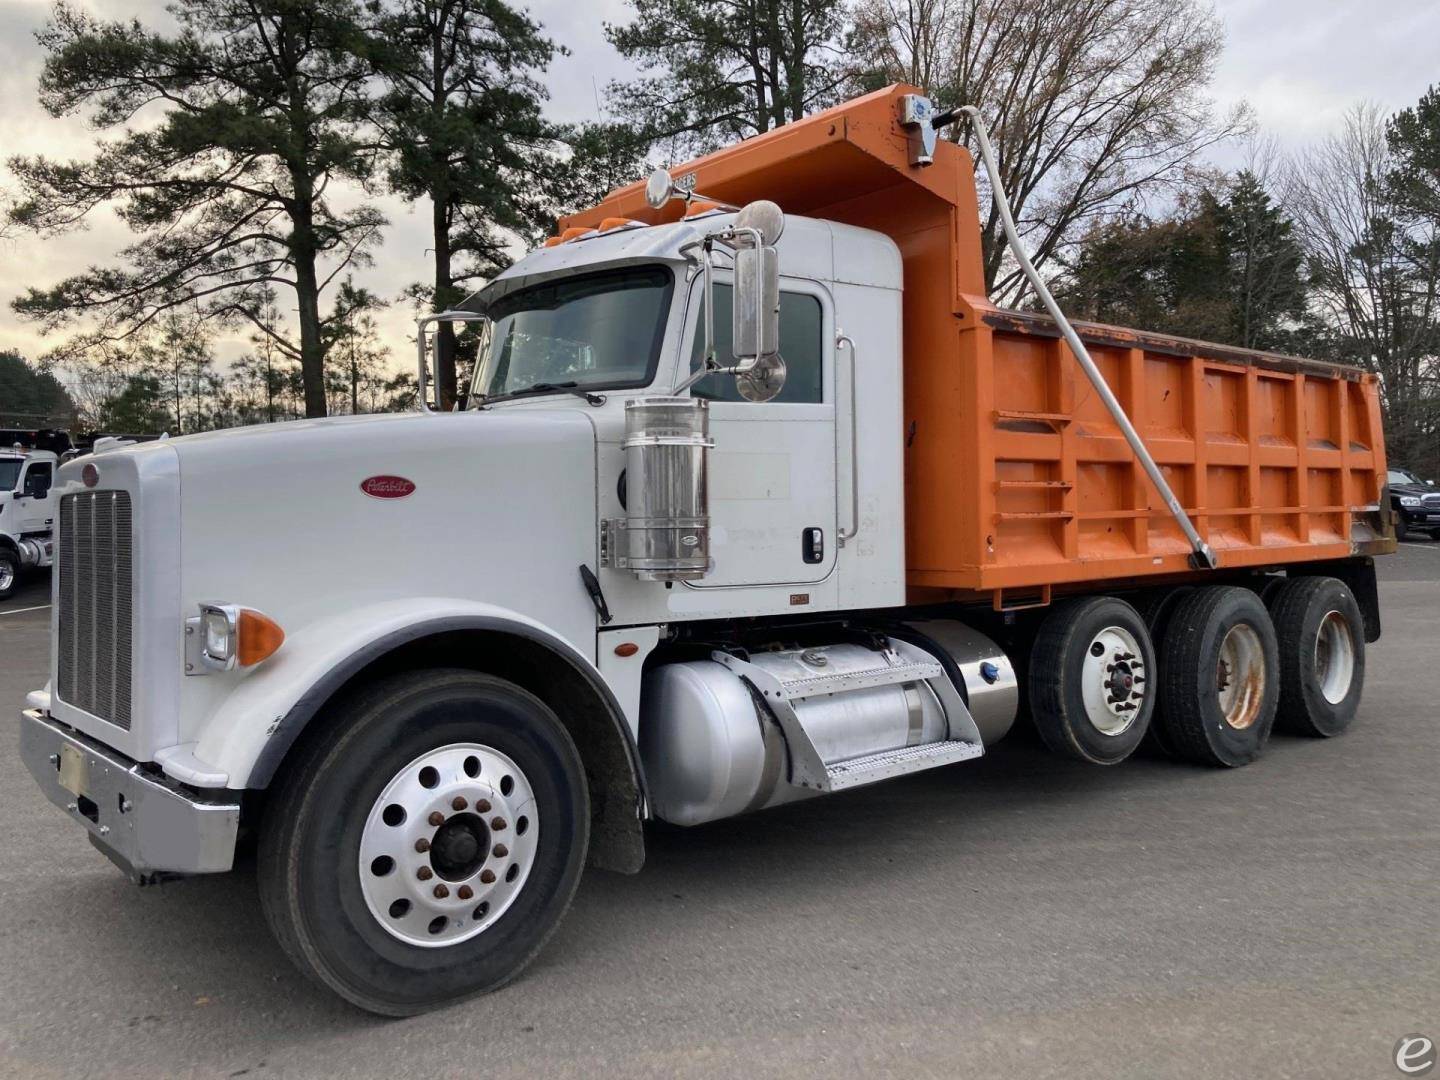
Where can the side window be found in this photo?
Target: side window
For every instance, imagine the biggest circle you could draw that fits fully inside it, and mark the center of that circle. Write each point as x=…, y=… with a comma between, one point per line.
x=37, y=480
x=801, y=346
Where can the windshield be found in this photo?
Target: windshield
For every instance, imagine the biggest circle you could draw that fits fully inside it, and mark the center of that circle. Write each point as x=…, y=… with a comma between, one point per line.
x=593, y=332
x=9, y=472
x=1400, y=476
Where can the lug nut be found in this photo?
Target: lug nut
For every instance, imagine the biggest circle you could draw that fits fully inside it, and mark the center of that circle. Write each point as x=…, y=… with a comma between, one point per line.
x=424, y=873
x=442, y=891
x=487, y=877
x=422, y=845
x=482, y=806
x=437, y=818
x=464, y=892
x=459, y=802
x=501, y=851
x=497, y=823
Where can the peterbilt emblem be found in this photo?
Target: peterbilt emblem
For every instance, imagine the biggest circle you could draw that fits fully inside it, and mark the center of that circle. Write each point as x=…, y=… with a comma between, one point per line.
x=387, y=487
x=90, y=475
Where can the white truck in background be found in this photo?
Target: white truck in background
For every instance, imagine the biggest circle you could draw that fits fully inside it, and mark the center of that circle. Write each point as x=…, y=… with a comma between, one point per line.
x=27, y=514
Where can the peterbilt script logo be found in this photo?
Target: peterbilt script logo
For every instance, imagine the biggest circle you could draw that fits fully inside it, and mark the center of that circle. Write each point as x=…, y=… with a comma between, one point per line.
x=387, y=487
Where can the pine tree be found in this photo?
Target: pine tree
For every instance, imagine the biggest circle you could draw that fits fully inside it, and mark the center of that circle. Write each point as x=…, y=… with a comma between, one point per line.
x=717, y=71
x=263, y=107
x=462, y=120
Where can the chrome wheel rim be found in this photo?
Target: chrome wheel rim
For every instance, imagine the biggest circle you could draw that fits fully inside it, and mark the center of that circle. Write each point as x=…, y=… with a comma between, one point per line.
x=7, y=576
x=1335, y=657
x=1114, y=681
x=1240, y=676
x=448, y=845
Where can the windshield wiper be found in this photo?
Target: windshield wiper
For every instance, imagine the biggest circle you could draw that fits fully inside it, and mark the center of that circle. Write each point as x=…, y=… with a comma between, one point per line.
x=570, y=387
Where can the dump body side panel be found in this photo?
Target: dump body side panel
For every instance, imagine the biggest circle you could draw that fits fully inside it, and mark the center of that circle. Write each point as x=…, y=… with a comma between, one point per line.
x=1277, y=460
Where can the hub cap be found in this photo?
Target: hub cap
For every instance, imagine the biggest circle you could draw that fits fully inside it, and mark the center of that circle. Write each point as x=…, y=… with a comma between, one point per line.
x=448, y=845
x=1114, y=681
x=1335, y=657
x=1240, y=676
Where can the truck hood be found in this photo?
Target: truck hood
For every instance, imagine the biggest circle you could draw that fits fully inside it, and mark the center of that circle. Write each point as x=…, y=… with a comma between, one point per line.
x=375, y=506
x=312, y=521
x=1414, y=489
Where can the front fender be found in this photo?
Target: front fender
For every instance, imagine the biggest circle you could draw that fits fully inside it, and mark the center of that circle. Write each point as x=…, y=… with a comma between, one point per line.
x=250, y=734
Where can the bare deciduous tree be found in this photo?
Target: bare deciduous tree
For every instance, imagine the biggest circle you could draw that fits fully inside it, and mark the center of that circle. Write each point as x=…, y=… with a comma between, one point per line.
x=1373, y=277
x=1093, y=105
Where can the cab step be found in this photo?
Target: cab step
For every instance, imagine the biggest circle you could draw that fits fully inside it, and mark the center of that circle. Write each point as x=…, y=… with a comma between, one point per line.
x=908, y=759
x=839, y=683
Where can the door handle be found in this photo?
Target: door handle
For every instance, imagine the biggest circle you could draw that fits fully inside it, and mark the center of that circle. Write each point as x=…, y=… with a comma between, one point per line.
x=812, y=544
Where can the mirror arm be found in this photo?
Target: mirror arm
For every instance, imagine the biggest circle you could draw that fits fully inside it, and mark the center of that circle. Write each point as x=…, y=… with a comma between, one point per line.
x=422, y=352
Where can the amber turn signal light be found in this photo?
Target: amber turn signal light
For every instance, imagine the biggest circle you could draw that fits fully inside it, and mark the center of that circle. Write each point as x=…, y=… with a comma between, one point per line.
x=259, y=636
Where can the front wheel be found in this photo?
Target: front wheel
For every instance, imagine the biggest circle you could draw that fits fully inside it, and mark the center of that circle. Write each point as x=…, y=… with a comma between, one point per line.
x=9, y=573
x=426, y=846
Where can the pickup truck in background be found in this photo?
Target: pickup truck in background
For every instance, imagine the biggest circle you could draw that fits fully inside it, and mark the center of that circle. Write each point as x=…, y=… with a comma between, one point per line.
x=756, y=497
x=1416, y=504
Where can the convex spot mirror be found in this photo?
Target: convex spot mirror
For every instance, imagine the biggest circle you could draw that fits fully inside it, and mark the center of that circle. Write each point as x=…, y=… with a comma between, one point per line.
x=659, y=189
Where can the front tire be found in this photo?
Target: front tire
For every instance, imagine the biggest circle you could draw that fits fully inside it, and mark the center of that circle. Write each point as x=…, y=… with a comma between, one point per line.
x=426, y=845
x=9, y=573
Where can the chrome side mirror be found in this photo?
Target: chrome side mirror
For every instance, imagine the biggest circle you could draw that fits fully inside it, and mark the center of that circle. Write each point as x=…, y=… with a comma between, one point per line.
x=755, y=309
x=755, y=325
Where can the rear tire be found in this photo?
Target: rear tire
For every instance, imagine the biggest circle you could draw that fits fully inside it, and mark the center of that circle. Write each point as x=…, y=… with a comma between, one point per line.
x=367, y=797
x=1221, y=677
x=1156, y=607
x=1092, y=689
x=1321, y=636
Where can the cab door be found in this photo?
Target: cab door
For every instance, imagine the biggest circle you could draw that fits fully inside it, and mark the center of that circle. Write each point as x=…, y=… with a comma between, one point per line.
x=772, y=471
x=33, y=506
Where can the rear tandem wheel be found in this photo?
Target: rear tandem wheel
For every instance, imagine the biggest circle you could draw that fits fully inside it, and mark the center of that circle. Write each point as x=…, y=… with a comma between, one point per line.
x=1221, y=676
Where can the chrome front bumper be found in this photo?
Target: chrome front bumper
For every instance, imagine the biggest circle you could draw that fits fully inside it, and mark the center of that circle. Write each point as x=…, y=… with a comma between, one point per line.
x=147, y=827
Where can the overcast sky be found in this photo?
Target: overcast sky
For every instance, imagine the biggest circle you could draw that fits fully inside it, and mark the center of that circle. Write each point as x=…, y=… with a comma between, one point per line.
x=1299, y=63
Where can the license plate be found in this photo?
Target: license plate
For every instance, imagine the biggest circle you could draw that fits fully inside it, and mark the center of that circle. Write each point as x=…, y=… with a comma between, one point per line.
x=74, y=770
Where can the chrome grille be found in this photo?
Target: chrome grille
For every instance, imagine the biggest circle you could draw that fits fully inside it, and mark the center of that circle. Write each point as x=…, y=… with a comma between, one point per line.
x=96, y=588
x=1432, y=502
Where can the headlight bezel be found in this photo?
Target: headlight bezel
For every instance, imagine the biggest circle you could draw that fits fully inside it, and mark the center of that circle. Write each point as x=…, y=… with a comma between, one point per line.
x=1411, y=502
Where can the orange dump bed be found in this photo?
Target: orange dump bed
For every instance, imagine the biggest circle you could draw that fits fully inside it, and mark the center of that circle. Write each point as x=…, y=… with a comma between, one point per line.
x=1016, y=476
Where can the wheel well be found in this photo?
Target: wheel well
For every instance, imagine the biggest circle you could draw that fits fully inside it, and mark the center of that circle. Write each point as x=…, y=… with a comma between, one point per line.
x=608, y=754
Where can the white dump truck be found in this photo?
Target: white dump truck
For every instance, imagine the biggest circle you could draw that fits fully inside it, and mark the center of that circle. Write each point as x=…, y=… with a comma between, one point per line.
x=744, y=506
x=27, y=514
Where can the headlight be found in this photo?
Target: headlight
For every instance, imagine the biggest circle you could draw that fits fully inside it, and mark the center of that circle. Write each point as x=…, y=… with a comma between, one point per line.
x=220, y=623
x=1409, y=500
x=228, y=636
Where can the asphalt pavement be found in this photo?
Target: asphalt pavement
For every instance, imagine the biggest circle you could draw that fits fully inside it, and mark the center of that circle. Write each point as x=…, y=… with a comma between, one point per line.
x=1017, y=916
